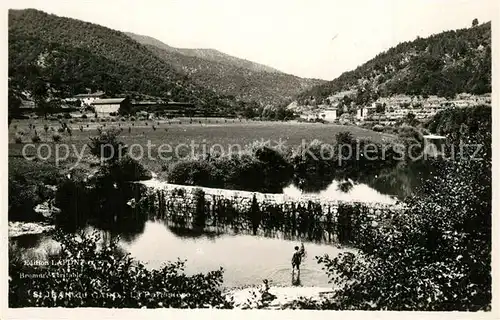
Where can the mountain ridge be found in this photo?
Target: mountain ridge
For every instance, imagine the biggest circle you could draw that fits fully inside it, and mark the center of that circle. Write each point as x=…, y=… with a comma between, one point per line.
x=230, y=75
x=204, y=53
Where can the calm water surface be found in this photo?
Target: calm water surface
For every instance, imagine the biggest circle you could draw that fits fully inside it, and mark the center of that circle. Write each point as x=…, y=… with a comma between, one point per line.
x=246, y=259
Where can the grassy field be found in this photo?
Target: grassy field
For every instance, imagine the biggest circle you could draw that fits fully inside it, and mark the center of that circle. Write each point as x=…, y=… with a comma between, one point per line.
x=178, y=133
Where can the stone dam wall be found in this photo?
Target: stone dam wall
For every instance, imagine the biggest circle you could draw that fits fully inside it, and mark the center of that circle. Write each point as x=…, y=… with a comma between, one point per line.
x=315, y=219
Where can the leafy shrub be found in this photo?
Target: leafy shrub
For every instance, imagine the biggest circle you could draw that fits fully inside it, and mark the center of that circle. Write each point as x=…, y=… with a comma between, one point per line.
x=109, y=278
x=56, y=137
x=23, y=197
x=84, y=116
x=313, y=166
x=435, y=256
x=61, y=130
x=67, y=116
x=106, y=145
x=260, y=169
x=36, y=138
x=129, y=169
x=191, y=172
x=18, y=138
x=378, y=128
x=28, y=182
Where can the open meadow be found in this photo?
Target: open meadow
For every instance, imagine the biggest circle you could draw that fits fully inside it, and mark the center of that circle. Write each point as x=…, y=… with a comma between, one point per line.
x=181, y=137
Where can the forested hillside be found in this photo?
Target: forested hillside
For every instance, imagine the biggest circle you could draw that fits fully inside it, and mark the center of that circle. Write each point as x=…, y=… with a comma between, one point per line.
x=227, y=75
x=443, y=64
x=56, y=56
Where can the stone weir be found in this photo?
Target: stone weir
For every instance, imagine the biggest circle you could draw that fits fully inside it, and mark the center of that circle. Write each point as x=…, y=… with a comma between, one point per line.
x=177, y=192
x=271, y=215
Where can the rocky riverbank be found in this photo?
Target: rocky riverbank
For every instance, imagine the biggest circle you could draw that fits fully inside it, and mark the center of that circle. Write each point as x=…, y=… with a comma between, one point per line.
x=18, y=228
x=249, y=298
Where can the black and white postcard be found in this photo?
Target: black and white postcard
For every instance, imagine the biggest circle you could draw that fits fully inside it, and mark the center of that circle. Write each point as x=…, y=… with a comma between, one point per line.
x=274, y=155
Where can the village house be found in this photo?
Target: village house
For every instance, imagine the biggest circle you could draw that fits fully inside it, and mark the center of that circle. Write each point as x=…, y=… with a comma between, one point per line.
x=309, y=116
x=329, y=114
x=364, y=112
x=106, y=107
x=87, y=98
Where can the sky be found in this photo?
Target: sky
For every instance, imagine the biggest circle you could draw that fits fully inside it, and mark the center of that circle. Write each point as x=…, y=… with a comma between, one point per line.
x=307, y=38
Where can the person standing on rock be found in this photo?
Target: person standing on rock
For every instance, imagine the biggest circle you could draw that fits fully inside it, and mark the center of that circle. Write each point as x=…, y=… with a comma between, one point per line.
x=297, y=260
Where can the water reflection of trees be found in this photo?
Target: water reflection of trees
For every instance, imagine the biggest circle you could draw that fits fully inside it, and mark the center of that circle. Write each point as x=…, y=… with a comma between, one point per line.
x=105, y=206
x=399, y=181
x=309, y=221
x=190, y=233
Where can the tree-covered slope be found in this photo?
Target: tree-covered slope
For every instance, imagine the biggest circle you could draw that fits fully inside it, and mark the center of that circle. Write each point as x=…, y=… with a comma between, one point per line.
x=443, y=64
x=229, y=75
x=207, y=54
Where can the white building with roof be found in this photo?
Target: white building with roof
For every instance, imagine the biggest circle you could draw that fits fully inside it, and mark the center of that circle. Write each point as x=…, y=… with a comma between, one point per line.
x=329, y=114
x=105, y=107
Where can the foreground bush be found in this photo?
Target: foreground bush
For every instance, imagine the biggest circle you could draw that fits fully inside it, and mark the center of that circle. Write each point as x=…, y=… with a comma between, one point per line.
x=87, y=274
x=129, y=169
